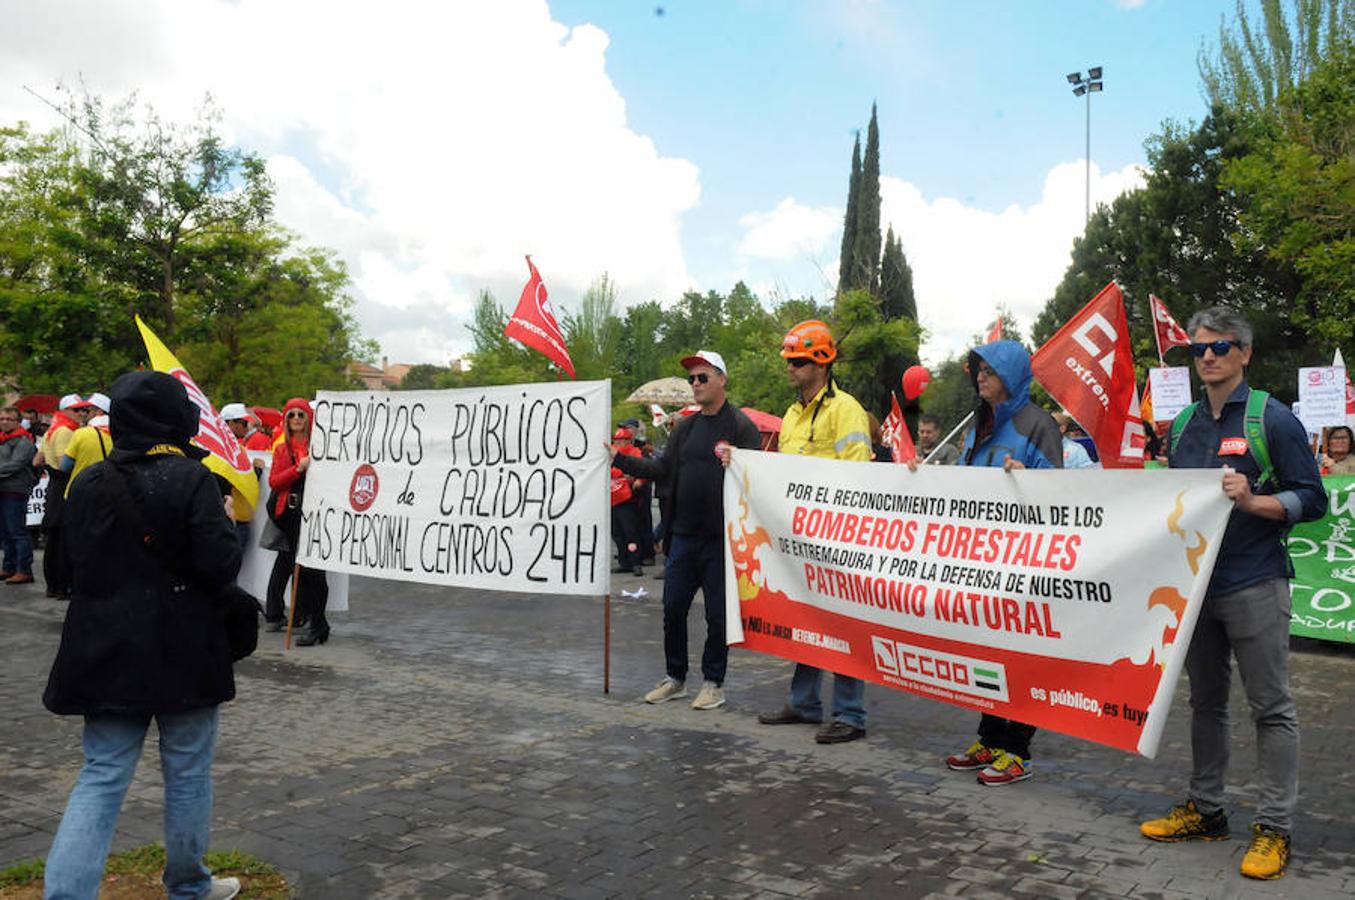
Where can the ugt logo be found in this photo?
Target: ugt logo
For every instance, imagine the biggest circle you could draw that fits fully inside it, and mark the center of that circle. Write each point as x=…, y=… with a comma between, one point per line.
x=362, y=491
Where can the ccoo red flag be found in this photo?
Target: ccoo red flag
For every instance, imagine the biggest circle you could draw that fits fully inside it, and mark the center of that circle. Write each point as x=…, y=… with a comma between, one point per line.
x=1088, y=367
x=1168, y=333
x=533, y=323
x=995, y=334
x=894, y=432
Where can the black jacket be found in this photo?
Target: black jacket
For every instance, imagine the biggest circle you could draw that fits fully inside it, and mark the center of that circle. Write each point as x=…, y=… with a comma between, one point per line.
x=730, y=424
x=140, y=638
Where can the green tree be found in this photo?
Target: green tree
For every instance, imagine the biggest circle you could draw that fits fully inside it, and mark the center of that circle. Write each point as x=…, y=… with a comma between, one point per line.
x=1297, y=195
x=845, y=258
x=638, y=353
x=866, y=341
x=593, y=334
x=865, y=271
x=1254, y=63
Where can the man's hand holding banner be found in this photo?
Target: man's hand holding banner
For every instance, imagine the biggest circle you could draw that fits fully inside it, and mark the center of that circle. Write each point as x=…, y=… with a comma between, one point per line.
x=981, y=588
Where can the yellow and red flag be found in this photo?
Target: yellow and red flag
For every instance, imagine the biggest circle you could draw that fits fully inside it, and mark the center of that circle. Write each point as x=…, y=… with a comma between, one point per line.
x=225, y=455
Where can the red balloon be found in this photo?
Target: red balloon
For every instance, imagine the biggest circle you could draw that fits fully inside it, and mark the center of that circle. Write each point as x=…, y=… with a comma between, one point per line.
x=915, y=381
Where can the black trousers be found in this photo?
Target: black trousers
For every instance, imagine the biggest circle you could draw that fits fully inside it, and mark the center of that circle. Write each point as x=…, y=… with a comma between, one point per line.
x=1006, y=734
x=312, y=591
x=626, y=524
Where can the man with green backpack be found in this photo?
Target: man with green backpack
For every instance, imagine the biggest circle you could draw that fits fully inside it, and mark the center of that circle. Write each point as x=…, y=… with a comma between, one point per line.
x=1271, y=476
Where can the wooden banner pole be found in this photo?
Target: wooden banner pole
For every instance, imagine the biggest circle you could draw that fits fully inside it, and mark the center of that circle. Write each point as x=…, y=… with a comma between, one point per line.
x=291, y=613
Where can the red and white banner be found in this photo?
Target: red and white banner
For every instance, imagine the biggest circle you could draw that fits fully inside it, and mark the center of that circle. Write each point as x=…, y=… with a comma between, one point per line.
x=533, y=324
x=995, y=333
x=1088, y=367
x=894, y=433
x=1168, y=333
x=989, y=590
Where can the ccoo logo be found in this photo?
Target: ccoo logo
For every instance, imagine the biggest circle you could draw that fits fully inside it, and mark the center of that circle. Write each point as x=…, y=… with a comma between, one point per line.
x=362, y=491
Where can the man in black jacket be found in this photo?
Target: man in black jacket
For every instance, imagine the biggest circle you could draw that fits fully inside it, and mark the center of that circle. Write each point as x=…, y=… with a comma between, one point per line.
x=143, y=637
x=693, y=536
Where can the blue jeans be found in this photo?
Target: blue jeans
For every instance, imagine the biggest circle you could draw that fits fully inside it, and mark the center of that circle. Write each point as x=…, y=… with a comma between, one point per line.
x=849, y=696
x=694, y=562
x=75, y=864
x=18, y=544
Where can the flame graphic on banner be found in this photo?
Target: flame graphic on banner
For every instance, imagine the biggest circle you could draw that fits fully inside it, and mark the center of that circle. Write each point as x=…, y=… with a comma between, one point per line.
x=1193, y=554
x=743, y=548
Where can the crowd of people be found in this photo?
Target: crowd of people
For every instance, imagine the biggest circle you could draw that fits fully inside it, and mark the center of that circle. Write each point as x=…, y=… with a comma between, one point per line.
x=123, y=484
x=1246, y=613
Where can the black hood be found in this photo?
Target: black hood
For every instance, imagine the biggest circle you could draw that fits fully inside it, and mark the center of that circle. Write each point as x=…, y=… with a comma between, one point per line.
x=152, y=408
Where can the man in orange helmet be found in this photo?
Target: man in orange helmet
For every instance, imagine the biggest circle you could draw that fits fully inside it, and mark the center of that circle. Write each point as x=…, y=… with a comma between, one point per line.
x=823, y=421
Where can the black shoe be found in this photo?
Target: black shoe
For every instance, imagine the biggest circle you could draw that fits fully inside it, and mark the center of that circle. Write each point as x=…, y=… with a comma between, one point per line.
x=313, y=637
x=638, y=571
x=786, y=716
x=838, y=733
x=274, y=626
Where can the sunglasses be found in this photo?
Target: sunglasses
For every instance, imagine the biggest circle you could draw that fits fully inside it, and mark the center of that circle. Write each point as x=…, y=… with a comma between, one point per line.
x=798, y=362
x=1220, y=347
x=296, y=415
x=701, y=377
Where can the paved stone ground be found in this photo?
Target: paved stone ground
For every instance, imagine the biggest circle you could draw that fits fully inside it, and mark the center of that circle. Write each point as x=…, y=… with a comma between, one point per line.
x=446, y=743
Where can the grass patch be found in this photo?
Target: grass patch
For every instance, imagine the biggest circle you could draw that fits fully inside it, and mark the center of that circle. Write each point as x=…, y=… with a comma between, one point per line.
x=135, y=874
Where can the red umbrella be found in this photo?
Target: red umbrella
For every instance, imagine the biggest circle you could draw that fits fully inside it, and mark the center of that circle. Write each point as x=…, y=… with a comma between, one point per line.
x=768, y=425
x=43, y=403
x=270, y=417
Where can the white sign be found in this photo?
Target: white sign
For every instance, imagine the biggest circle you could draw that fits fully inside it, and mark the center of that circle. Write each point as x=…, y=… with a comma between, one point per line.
x=1171, y=391
x=502, y=488
x=257, y=566
x=1022, y=594
x=37, y=502
x=1322, y=396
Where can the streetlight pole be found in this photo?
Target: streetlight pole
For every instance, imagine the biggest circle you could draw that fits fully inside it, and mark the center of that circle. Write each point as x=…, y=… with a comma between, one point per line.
x=1089, y=85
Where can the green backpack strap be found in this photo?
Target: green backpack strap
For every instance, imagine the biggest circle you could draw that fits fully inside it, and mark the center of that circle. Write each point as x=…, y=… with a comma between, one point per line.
x=1254, y=426
x=1179, y=425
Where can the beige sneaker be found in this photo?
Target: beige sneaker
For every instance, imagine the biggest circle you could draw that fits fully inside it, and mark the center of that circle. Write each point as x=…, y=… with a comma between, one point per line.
x=710, y=697
x=668, y=689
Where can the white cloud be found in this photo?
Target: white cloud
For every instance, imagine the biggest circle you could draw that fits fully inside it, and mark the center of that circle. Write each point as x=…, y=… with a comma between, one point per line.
x=432, y=145
x=1129, y=4
x=965, y=260
x=788, y=231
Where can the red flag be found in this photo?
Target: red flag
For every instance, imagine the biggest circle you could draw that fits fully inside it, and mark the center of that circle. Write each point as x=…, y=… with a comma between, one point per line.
x=996, y=333
x=533, y=323
x=894, y=432
x=1168, y=333
x=1088, y=367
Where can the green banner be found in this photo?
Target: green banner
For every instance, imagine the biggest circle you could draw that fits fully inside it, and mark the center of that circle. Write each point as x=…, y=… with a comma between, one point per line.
x=1324, y=567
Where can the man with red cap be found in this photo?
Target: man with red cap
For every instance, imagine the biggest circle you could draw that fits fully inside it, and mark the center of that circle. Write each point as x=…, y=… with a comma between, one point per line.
x=693, y=539
x=626, y=517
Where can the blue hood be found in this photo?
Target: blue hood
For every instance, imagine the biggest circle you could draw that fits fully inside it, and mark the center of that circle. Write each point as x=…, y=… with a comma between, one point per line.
x=1011, y=362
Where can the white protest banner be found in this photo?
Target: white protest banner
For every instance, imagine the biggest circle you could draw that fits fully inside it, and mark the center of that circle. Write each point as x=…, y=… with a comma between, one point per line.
x=1322, y=397
x=256, y=568
x=503, y=488
x=37, y=503
x=990, y=590
x=1170, y=386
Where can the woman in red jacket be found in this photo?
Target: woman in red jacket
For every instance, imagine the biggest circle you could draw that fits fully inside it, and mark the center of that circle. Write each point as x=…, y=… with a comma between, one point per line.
x=287, y=478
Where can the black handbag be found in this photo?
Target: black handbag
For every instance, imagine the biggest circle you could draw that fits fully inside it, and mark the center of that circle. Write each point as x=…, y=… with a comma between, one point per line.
x=239, y=610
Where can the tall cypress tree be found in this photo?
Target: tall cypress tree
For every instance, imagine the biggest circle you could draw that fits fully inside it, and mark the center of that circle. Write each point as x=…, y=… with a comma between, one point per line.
x=896, y=281
x=865, y=272
x=844, y=265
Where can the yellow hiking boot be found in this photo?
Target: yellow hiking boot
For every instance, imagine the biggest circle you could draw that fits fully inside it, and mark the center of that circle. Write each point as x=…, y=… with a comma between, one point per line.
x=1268, y=854
x=1186, y=823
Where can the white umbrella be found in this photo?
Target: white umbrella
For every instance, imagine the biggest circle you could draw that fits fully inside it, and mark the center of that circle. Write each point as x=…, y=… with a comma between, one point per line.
x=670, y=391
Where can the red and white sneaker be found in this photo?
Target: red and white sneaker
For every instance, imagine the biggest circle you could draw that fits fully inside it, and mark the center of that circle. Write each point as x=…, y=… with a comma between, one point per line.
x=1008, y=768
x=976, y=757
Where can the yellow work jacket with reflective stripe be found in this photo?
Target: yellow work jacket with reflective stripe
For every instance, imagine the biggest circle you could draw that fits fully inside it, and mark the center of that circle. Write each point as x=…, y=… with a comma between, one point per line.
x=832, y=427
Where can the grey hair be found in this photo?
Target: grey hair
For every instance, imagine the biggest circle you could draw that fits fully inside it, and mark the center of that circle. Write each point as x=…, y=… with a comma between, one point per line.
x=1222, y=320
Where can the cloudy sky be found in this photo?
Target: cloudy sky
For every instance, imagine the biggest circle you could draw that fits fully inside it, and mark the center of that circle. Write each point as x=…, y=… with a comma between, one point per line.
x=673, y=144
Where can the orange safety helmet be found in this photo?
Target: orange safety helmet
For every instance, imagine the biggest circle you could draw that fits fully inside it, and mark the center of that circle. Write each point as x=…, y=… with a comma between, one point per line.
x=810, y=340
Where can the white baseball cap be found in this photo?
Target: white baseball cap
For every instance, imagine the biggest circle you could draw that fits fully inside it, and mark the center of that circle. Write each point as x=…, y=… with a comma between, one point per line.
x=101, y=401
x=70, y=401
x=233, y=411
x=706, y=358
